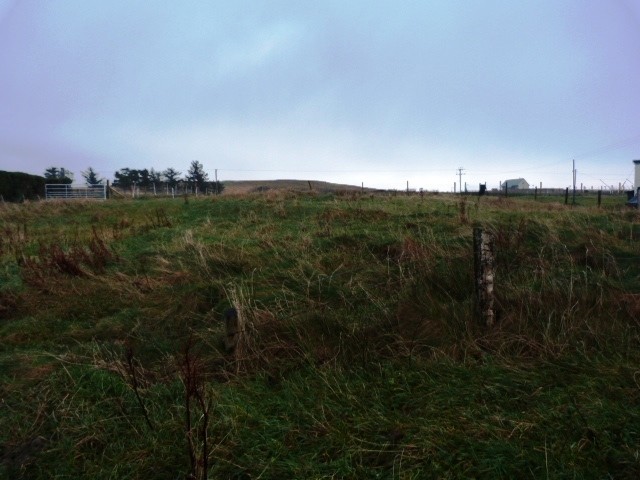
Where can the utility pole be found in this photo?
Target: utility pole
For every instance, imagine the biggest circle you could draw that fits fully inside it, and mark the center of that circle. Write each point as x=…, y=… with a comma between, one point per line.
x=460, y=169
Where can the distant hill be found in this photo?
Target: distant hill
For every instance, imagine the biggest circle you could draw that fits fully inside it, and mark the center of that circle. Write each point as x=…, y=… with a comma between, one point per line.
x=250, y=186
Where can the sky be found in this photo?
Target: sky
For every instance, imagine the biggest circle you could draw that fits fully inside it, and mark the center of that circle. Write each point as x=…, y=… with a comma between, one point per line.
x=366, y=93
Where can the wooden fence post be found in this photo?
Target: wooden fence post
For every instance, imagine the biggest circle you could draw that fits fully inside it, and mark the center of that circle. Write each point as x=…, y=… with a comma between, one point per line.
x=599, y=197
x=483, y=249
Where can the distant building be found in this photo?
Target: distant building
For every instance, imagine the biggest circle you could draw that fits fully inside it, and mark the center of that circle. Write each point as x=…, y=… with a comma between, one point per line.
x=633, y=194
x=515, y=184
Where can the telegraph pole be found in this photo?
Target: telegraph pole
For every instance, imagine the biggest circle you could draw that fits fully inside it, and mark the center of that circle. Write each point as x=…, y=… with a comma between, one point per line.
x=460, y=169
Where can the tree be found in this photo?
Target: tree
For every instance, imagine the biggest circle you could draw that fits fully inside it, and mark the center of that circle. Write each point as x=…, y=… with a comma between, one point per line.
x=126, y=177
x=171, y=175
x=58, y=175
x=197, y=175
x=123, y=178
x=91, y=177
x=216, y=187
x=144, y=180
x=155, y=177
x=66, y=176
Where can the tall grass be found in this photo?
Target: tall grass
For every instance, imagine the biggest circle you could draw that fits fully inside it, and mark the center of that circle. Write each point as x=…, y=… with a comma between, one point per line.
x=360, y=351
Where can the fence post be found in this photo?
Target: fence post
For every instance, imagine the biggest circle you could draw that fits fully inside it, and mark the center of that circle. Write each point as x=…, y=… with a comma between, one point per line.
x=483, y=249
x=566, y=196
x=233, y=329
x=599, y=197
x=535, y=193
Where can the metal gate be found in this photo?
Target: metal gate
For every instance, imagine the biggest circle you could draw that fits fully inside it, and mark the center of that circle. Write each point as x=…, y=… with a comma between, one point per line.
x=63, y=192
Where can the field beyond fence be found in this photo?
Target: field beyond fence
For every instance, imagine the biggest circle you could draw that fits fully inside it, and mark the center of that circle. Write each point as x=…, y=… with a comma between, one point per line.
x=300, y=334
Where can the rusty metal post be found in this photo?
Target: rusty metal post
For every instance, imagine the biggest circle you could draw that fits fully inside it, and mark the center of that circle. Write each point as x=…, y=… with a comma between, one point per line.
x=484, y=262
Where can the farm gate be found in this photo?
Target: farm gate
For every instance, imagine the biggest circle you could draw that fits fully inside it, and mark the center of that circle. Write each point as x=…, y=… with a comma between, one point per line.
x=64, y=192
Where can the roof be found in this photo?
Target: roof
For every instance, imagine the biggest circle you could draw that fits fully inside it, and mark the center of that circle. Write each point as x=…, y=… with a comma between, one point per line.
x=515, y=180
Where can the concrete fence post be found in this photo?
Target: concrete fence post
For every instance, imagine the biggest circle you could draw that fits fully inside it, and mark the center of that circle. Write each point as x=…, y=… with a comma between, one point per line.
x=233, y=329
x=484, y=263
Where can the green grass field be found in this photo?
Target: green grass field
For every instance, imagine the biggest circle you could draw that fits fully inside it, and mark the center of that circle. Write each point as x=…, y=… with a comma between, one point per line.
x=361, y=353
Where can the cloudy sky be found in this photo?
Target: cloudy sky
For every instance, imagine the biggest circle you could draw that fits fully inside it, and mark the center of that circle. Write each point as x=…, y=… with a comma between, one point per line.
x=355, y=92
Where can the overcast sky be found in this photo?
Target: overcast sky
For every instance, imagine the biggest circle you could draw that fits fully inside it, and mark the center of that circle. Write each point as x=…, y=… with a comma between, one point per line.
x=379, y=92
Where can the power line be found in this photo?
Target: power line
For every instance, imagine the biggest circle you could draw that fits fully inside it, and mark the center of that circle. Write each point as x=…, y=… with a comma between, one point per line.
x=611, y=146
x=367, y=170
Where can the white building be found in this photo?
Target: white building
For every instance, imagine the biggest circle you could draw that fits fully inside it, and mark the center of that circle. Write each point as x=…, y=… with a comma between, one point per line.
x=515, y=184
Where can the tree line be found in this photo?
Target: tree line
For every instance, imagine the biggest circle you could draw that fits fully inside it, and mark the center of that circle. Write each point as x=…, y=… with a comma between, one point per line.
x=60, y=175
x=196, y=179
